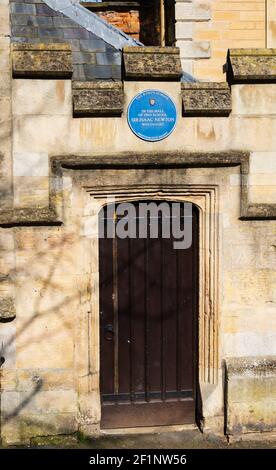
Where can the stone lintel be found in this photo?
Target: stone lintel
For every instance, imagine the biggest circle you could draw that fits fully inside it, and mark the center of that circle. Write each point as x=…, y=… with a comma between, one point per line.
x=206, y=99
x=7, y=309
x=171, y=159
x=136, y=160
x=150, y=159
x=251, y=65
x=98, y=98
x=152, y=63
x=42, y=60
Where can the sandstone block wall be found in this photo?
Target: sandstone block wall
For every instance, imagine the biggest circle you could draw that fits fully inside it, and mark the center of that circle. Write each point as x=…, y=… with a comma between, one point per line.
x=250, y=395
x=206, y=29
x=271, y=23
x=5, y=105
x=50, y=378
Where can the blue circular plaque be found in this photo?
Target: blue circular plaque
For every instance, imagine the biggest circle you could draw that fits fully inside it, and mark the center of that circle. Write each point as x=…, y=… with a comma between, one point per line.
x=152, y=115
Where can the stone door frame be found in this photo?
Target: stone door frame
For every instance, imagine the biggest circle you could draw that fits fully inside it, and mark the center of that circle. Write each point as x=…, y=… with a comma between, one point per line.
x=92, y=199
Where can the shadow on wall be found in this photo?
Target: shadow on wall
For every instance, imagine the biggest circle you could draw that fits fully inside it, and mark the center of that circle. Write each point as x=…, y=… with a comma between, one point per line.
x=36, y=264
x=15, y=412
x=41, y=263
x=49, y=293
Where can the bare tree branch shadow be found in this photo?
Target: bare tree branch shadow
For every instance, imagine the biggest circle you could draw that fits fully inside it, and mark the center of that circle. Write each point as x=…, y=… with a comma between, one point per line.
x=23, y=404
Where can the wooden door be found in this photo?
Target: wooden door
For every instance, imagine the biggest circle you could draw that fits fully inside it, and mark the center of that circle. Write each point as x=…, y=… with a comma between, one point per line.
x=148, y=330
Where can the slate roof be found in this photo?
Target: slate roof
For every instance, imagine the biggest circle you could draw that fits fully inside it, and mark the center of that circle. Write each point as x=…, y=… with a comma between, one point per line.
x=93, y=58
x=96, y=44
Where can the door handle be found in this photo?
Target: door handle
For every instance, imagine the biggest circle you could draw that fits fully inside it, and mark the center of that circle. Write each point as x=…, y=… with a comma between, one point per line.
x=108, y=332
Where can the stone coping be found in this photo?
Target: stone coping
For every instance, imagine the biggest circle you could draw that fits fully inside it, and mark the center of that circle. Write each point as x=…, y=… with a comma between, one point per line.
x=16, y=46
x=97, y=84
x=205, y=86
x=206, y=99
x=152, y=63
x=251, y=66
x=150, y=50
x=7, y=309
x=97, y=98
x=42, y=60
x=253, y=52
x=54, y=60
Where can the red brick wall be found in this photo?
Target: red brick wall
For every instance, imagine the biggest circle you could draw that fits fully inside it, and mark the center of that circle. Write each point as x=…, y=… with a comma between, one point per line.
x=142, y=23
x=127, y=21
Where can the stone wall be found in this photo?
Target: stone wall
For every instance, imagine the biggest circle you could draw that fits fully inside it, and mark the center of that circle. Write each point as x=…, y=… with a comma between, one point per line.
x=250, y=395
x=7, y=257
x=5, y=104
x=63, y=166
x=206, y=29
x=271, y=23
x=49, y=381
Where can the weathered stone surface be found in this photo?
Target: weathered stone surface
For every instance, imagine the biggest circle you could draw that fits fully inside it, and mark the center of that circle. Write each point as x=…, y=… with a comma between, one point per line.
x=60, y=441
x=271, y=20
x=7, y=309
x=18, y=217
x=174, y=159
x=251, y=65
x=255, y=365
x=24, y=428
x=152, y=63
x=56, y=296
x=250, y=394
x=48, y=216
x=98, y=98
x=49, y=97
x=193, y=11
x=251, y=100
x=206, y=99
x=42, y=60
x=194, y=49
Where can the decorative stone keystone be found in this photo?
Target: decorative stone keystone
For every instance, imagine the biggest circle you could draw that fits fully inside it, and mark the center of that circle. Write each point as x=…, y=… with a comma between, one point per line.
x=7, y=309
x=99, y=98
x=251, y=65
x=42, y=60
x=152, y=63
x=206, y=99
